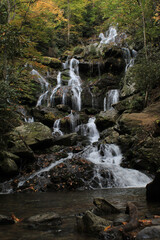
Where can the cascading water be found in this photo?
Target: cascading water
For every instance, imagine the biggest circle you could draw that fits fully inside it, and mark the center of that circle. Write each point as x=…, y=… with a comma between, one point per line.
x=113, y=98
x=55, y=89
x=75, y=84
x=109, y=37
x=44, y=86
x=129, y=56
x=107, y=159
x=56, y=128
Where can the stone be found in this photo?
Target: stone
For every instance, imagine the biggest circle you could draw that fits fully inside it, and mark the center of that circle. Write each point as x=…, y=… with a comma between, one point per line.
x=152, y=189
x=44, y=217
x=93, y=224
x=33, y=135
x=149, y=233
x=104, y=207
x=8, y=167
x=106, y=119
x=67, y=139
x=6, y=220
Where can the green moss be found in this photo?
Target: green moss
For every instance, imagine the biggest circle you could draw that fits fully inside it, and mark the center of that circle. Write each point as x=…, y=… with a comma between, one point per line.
x=50, y=116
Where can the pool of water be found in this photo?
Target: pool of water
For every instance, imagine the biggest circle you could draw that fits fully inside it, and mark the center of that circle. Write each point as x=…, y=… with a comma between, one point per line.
x=67, y=205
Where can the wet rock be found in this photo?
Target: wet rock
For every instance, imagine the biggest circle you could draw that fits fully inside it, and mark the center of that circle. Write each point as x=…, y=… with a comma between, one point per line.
x=110, y=136
x=45, y=221
x=34, y=135
x=110, y=235
x=106, y=119
x=47, y=115
x=150, y=233
x=152, y=189
x=6, y=220
x=67, y=139
x=71, y=174
x=91, y=223
x=104, y=207
x=51, y=62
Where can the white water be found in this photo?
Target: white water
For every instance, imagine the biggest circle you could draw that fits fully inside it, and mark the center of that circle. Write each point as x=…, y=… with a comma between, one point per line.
x=112, y=98
x=129, y=56
x=109, y=37
x=55, y=89
x=45, y=87
x=56, y=128
x=75, y=84
x=29, y=119
x=105, y=104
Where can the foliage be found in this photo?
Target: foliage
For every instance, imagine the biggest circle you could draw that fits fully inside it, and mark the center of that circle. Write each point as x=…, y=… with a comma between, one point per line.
x=147, y=72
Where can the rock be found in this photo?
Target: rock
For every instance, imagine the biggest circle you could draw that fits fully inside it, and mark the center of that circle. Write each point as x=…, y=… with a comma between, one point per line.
x=67, y=139
x=152, y=189
x=106, y=119
x=63, y=108
x=34, y=135
x=150, y=233
x=104, y=207
x=45, y=217
x=110, y=136
x=133, y=103
x=5, y=220
x=8, y=167
x=71, y=174
x=45, y=221
x=91, y=223
x=47, y=115
x=112, y=234
x=51, y=62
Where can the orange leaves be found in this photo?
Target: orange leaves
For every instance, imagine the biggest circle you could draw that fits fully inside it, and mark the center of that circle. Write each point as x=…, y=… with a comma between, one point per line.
x=145, y=222
x=15, y=219
x=156, y=216
x=107, y=228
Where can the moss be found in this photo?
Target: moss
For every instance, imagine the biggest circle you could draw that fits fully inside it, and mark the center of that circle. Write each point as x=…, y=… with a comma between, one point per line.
x=52, y=62
x=50, y=116
x=78, y=50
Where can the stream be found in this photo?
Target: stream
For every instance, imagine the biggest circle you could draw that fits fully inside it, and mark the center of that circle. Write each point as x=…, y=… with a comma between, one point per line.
x=67, y=205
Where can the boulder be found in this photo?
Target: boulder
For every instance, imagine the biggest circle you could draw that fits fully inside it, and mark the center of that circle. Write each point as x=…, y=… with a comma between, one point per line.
x=44, y=221
x=106, y=119
x=104, y=207
x=33, y=134
x=51, y=62
x=152, y=189
x=110, y=135
x=91, y=223
x=150, y=233
x=67, y=139
x=8, y=167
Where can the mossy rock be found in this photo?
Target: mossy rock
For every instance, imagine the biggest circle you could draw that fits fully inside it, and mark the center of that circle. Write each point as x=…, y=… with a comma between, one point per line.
x=51, y=62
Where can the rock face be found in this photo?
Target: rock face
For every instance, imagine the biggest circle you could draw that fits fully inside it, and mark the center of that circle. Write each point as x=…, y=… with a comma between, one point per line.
x=152, y=189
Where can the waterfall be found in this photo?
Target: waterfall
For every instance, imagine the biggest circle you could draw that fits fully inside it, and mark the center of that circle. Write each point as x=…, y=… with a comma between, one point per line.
x=74, y=117
x=129, y=57
x=112, y=98
x=55, y=89
x=42, y=80
x=75, y=84
x=105, y=104
x=29, y=119
x=44, y=86
x=56, y=128
x=109, y=37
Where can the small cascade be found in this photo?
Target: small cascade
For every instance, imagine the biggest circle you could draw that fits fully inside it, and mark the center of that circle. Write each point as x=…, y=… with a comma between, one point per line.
x=109, y=37
x=74, y=117
x=29, y=119
x=105, y=104
x=45, y=88
x=42, y=80
x=55, y=89
x=75, y=84
x=56, y=128
x=129, y=56
x=113, y=98
x=89, y=130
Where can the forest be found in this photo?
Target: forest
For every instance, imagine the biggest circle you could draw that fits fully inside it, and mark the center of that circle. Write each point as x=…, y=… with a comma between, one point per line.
x=80, y=119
